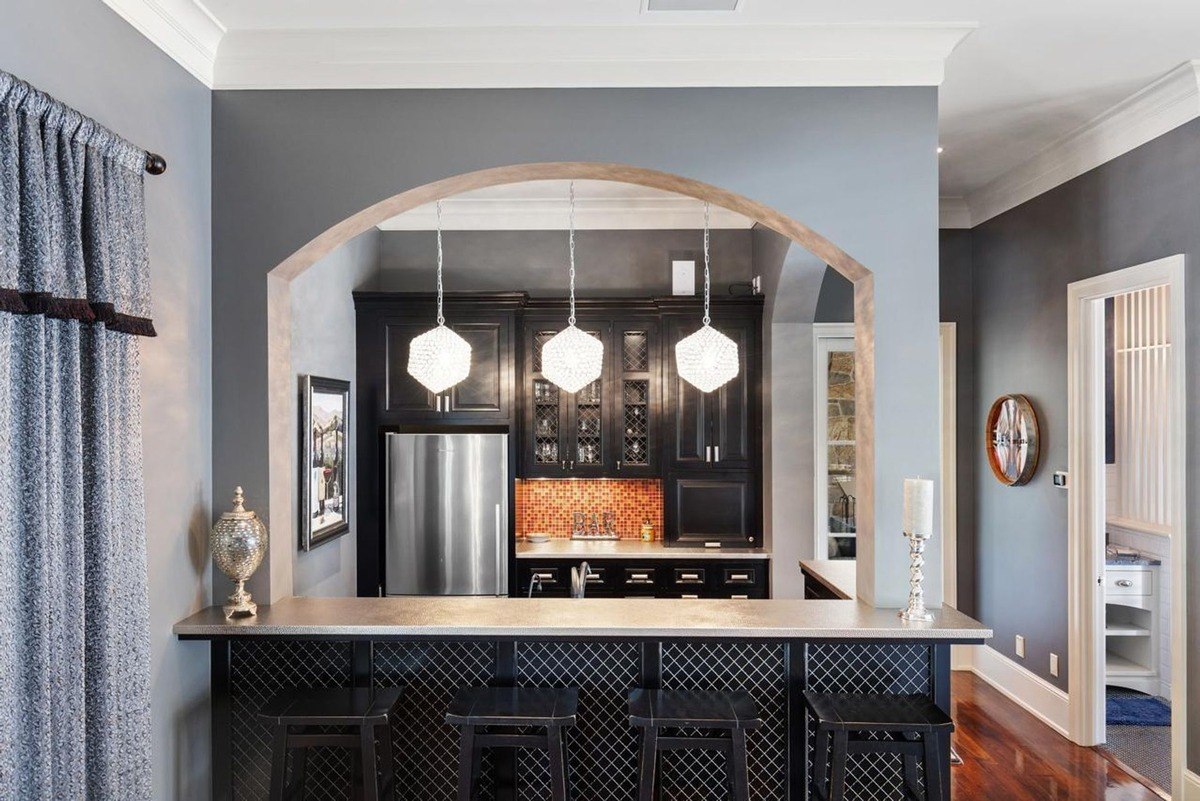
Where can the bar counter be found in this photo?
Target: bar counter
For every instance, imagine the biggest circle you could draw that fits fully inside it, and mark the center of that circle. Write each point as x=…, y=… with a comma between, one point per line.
x=773, y=649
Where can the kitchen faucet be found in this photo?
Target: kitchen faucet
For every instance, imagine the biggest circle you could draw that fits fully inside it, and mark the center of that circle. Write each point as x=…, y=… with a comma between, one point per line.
x=535, y=582
x=579, y=578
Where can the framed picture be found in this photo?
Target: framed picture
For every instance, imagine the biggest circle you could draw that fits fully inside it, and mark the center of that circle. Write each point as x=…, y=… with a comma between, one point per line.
x=324, y=457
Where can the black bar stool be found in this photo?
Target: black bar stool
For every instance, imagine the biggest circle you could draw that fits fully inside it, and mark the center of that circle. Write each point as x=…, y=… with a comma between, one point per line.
x=366, y=711
x=910, y=725
x=731, y=712
x=476, y=709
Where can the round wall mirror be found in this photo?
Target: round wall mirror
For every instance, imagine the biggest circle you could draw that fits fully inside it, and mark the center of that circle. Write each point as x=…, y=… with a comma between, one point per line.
x=1012, y=440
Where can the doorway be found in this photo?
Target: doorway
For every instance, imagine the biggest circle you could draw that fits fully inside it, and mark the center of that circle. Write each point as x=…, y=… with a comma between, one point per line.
x=1127, y=518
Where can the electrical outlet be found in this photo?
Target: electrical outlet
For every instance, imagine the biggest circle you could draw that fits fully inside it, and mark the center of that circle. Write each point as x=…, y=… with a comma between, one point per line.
x=1020, y=646
x=1053, y=664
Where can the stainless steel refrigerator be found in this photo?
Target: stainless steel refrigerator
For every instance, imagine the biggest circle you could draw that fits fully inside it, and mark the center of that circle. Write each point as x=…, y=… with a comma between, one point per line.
x=446, y=510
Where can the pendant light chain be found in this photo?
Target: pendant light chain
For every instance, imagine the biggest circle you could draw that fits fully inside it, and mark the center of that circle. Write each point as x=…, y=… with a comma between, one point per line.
x=571, y=240
x=707, y=317
x=441, y=318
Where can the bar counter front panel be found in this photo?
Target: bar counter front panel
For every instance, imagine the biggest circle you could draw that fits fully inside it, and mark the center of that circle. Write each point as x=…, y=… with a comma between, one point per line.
x=603, y=748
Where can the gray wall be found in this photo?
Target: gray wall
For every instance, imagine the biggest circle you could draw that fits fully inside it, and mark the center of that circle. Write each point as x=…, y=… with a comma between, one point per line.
x=1136, y=208
x=835, y=304
x=323, y=344
x=858, y=165
x=608, y=263
x=81, y=52
x=957, y=299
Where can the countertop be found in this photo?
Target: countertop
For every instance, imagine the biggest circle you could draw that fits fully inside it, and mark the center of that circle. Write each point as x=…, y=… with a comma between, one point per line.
x=562, y=548
x=565, y=617
x=838, y=575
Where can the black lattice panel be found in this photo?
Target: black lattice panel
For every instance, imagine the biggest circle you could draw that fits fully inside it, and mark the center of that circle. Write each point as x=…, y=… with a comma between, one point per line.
x=635, y=444
x=759, y=669
x=635, y=352
x=257, y=670
x=603, y=754
x=589, y=433
x=426, y=748
x=876, y=669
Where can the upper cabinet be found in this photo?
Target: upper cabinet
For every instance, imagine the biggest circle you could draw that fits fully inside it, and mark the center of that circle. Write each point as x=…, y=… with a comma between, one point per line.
x=719, y=429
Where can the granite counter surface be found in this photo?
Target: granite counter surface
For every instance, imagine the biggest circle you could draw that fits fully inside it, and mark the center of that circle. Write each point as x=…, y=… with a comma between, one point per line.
x=369, y=618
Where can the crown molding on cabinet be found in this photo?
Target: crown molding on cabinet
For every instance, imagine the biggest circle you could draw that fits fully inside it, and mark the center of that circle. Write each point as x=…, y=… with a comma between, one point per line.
x=183, y=29
x=1165, y=104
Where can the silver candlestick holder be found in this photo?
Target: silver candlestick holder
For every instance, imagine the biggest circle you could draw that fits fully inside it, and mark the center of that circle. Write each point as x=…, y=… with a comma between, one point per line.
x=916, y=610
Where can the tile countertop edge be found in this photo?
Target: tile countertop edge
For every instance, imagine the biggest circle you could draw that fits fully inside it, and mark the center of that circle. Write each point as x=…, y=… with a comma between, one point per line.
x=595, y=618
x=563, y=548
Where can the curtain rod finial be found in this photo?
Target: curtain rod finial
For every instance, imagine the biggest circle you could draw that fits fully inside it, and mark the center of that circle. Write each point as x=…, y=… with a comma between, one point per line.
x=155, y=164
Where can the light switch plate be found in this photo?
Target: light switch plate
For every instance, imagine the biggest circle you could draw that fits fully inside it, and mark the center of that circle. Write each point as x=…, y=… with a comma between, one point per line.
x=1060, y=479
x=1020, y=646
x=1053, y=664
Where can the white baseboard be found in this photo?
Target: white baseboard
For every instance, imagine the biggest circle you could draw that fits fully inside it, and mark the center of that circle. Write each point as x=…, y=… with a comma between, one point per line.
x=1191, y=786
x=1029, y=691
x=962, y=657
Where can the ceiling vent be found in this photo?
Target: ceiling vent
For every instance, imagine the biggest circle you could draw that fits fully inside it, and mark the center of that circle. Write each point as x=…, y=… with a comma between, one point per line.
x=691, y=5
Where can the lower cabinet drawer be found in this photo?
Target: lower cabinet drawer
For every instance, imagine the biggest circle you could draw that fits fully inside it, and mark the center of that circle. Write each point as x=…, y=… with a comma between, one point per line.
x=740, y=576
x=688, y=576
x=640, y=577
x=1128, y=582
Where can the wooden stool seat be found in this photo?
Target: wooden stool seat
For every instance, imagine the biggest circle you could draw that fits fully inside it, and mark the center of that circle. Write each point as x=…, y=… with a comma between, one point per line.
x=733, y=712
x=908, y=725
x=363, y=715
x=492, y=717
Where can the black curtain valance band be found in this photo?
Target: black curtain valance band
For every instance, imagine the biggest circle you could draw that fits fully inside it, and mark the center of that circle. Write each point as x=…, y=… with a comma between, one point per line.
x=17, y=302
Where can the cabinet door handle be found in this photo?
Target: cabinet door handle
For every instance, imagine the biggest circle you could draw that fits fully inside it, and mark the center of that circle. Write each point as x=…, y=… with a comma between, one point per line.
x=708, y=453
x=716, y=453
x=618, y=464
x=1124, y=583
x=439, y=403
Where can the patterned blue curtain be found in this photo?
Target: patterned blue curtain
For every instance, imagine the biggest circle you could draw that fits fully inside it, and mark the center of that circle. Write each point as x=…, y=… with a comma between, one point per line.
x=75, y=656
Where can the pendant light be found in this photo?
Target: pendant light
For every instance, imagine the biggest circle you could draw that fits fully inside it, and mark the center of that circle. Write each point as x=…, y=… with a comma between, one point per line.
x=439, y=358
x=706, y=359
x=572, y=359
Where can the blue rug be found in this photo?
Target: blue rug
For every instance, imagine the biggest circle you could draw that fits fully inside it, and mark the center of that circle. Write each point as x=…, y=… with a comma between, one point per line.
x=1138, y=710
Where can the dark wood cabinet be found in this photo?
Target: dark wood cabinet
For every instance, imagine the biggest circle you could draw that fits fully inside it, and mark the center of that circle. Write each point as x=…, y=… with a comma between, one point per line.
x=650, y=578
x=708, y=506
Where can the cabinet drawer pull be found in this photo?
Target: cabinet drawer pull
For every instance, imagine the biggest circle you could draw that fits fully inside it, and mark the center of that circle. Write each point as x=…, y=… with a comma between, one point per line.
x=546, y=578
x=595, y=577
x=1124, y=583
x=689, y=596
x=639, y=576
x=739, y=576
x=740, y=597
x=689, y=576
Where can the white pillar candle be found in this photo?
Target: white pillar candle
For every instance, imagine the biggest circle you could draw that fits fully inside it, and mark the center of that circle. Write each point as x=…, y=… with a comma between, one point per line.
x=918, y=507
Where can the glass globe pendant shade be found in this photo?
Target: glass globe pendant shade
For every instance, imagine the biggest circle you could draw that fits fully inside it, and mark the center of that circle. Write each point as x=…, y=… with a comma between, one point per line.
x=439, y=359
x=572, y=359
x=706, y=359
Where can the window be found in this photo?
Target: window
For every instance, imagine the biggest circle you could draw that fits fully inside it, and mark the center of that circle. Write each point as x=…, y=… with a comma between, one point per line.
x=834, y=460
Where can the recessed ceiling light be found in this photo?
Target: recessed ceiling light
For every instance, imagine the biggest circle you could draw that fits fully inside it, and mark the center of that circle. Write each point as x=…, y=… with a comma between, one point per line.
x=690, y=5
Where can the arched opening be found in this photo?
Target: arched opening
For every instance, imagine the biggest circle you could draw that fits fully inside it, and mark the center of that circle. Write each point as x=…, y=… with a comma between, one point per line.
x=281, y=378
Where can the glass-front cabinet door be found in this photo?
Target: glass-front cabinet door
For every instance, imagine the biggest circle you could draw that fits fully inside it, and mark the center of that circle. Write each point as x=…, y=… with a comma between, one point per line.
x=636, y=398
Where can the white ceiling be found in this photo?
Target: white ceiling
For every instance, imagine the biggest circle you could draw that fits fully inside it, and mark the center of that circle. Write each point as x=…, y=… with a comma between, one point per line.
x=1028, y=74
x=544, y=205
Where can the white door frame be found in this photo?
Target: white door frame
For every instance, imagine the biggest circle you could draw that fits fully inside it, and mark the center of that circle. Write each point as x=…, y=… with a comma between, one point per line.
x=1086, y=515
x=948, y=412
x=822, y=334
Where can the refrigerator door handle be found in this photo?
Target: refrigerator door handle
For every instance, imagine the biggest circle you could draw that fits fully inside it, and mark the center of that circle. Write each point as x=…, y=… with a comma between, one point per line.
x=500, y=539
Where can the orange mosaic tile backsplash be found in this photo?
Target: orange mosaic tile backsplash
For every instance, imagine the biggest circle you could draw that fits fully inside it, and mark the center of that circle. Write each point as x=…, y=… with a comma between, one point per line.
x=546, y=505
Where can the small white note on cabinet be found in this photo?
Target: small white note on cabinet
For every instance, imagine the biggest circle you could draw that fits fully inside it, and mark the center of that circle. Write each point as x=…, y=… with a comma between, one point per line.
x=918, y=507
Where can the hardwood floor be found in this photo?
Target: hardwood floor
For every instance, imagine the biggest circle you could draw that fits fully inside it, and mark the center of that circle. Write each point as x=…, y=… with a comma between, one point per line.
x=1010, y=755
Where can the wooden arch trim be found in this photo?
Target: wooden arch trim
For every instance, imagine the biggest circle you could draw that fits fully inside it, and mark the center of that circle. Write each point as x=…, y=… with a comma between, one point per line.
x=371, y=216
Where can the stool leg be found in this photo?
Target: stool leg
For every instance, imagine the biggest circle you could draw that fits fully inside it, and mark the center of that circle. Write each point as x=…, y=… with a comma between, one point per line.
x=820, y=778
x=649, y=757
x=370, y=764
x=912, y=787
x=295, y=791
x=387, y=773
x=837, y=779
x=740, y=773
x=933, y=767
x=466, y=762
x=279, y=763
x=558, y=770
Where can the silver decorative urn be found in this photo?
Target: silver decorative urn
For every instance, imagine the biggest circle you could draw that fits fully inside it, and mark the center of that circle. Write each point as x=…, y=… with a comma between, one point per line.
x=239, y=542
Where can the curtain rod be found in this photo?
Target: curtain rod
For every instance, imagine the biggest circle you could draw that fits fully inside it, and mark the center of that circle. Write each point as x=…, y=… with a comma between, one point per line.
x=155, y=164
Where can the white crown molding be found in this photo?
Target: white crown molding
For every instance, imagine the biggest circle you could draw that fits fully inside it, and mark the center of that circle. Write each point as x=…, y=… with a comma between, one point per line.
x=953, y=212
x=537, y=214
x=183, y=29
x=1147, y=114
x=584, y=56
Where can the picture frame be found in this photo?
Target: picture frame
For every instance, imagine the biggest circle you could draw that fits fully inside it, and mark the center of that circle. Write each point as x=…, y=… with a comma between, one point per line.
x=325, y=454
